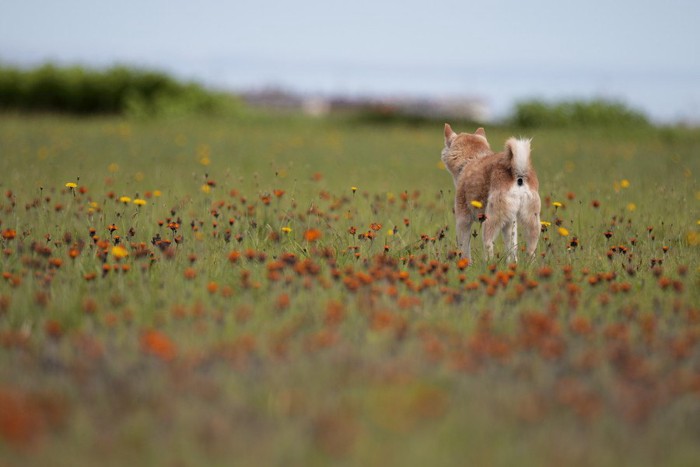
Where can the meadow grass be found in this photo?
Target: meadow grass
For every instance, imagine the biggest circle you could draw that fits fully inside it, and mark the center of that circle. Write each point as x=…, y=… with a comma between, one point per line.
x=289, y=293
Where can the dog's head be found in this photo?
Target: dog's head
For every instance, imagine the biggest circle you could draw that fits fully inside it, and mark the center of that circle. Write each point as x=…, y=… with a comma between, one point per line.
x=460, y=148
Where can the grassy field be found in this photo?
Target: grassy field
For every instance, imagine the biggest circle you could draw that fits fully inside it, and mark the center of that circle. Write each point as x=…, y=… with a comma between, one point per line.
x=281, y=291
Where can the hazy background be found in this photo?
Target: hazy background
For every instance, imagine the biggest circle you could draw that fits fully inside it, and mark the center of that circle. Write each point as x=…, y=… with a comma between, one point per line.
x=640, y=52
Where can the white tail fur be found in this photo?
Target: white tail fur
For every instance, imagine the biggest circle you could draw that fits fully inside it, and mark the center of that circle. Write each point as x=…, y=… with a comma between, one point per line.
x=519, y=150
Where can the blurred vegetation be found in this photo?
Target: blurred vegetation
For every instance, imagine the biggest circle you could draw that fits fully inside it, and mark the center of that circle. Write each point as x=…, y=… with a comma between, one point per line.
x=146, y=93
x=117, y=90
x=576, y=113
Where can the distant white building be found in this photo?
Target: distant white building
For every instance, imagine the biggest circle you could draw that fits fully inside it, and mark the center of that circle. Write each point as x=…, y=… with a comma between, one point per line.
x=443, y=108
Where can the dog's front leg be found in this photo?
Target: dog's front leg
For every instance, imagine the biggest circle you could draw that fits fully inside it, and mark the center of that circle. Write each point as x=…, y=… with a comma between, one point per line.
x=463, y=227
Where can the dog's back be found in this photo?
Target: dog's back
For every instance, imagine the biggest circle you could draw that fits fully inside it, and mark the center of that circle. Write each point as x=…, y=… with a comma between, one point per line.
x=497, y=173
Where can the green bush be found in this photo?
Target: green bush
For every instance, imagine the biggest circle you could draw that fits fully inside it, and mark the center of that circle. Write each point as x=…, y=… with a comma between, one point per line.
x=594, y=113
x=118, y=90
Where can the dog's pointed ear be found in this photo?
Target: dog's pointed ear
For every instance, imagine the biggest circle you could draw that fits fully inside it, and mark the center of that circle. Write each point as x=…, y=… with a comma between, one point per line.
x=449, y=135
x=480, y=131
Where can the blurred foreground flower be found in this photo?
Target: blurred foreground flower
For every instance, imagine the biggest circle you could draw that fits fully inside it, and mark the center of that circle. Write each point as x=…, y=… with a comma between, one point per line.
x=158, y=344
x=477, y=204
x=693, y=238
x=312, y=235
x=563, y=232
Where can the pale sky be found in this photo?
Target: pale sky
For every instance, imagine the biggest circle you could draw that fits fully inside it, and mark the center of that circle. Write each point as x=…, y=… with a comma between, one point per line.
x=641, y=52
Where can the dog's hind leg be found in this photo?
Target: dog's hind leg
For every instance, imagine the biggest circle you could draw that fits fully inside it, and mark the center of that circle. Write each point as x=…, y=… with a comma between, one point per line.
x=491, y=228
x=530, y=219
x=510, y=239
x=532, y=233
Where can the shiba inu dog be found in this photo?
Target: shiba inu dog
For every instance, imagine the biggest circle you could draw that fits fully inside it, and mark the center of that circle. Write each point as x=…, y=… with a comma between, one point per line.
x=498, y=189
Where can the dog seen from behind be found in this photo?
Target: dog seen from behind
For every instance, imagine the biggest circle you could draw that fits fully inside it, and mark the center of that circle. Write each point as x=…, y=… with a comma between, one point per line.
x=497, y=189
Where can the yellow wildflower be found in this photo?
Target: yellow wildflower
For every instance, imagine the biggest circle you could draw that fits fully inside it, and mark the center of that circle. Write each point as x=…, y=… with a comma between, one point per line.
x=119, y=252
x=477, y=204
x=563, y=232
x=693, y=238
x=140, y=202
x=286, y=229
x=125, y=199
x=71, y=185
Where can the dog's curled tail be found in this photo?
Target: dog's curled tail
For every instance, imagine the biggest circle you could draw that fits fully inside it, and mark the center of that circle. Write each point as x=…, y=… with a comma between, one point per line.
x=518, y=150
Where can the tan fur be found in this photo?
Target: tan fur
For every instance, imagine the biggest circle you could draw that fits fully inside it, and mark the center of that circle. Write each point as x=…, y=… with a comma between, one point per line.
x=462, y=148
x=491, y=178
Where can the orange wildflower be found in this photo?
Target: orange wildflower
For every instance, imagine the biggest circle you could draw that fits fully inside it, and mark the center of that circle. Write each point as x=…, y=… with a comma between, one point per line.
x=158, y=344
x=190, y=273
x=21, y=421
x=311, y=235
x=53, y=328
x=282, y=302
x=581, y=325
x=335, y=313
